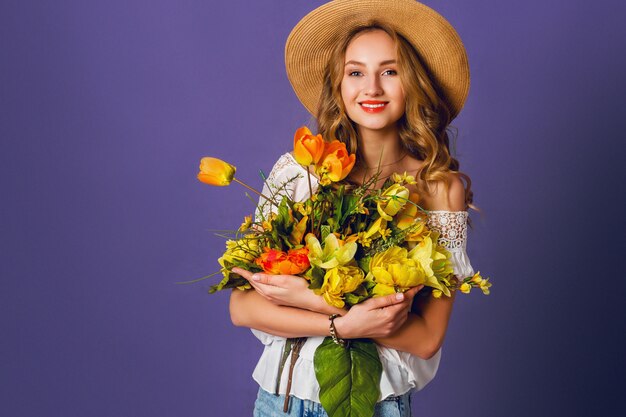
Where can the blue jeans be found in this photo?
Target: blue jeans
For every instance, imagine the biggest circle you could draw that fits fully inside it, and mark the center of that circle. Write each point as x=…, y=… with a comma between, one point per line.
x=270, y=405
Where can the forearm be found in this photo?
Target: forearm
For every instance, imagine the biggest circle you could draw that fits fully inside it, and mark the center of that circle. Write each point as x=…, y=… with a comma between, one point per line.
x=424, y=331
x=250, y=309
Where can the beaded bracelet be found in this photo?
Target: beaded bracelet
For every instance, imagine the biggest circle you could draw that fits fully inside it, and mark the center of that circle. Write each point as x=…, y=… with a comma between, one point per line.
x=333, y=331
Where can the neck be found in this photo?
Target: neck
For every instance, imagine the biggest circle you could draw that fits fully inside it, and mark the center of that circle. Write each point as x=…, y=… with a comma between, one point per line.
x=380, y=148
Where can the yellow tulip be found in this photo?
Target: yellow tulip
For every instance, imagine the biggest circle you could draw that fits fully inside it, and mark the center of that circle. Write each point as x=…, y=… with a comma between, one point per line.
x=392, y=200
x=307, y=148
x=465, y=288
x=214, y=171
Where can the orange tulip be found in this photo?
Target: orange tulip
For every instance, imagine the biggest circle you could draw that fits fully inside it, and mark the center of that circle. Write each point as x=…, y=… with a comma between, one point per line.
x=277, y=262
x=409, y=213
x=307, y=148
x=336, y=163
x=214, y=171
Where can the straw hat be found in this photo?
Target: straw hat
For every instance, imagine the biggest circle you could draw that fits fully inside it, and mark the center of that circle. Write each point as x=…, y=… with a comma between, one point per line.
x=440, y=48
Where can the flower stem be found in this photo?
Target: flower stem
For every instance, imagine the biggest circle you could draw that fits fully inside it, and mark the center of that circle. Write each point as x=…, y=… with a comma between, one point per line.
x=308, y=175
x=255, y=191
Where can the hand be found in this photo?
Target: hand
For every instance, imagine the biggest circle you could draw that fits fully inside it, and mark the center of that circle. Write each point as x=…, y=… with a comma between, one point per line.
x=376, y=317
x=287, y=290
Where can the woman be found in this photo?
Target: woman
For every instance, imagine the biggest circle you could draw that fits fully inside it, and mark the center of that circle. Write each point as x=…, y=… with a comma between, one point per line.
x=358, y=64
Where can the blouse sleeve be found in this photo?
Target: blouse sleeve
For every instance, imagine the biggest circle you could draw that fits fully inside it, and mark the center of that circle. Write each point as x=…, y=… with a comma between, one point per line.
x=287, y=178
x=452, y=228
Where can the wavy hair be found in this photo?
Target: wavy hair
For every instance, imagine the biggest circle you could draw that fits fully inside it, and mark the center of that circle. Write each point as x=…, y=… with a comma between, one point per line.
x=425, y=126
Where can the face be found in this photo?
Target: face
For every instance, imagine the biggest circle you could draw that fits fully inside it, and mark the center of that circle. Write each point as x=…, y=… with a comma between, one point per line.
x=371, y=89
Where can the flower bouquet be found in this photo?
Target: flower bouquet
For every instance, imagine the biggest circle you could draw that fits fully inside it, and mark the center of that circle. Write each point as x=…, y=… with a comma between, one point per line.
x=350, y=242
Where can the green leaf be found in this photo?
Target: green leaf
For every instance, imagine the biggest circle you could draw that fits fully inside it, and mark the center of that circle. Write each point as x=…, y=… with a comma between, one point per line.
x=316, y=275
x=325, y=231
x=349, y=378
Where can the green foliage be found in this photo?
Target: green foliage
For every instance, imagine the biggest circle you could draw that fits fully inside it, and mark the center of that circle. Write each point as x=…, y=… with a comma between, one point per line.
x=349, y=377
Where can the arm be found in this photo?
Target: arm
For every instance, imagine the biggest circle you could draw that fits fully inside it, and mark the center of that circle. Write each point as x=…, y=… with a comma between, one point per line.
x=424, y=331
x=375, y=317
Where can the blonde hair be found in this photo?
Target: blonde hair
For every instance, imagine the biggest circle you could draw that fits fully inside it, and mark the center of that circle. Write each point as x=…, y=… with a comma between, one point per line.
x=424, y=127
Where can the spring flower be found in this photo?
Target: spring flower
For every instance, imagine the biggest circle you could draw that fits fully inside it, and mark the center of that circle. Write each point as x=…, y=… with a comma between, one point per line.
x=392, y=270
x=435, y=260
x=214, y=171
x=333, y=254
x=335, y=164
x=338, y=281
x=403, y=178
x=243, y=250
x=277, y=262
x=465, y=288
x=409, y=213
x=247, y=222
x=392, y=200
x=307, y=148
x=297, y=233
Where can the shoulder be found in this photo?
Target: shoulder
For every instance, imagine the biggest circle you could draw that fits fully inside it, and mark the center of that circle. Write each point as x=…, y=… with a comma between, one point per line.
x=286, y=175
x=447, y=194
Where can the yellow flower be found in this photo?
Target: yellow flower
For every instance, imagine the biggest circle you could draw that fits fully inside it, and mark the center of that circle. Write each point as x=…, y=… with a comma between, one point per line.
x=298, y=231
x=437, y=293
x=214, y=171
x=247, y=222
x=392, y=200
x=304, y=209
x=435, y=261
x=465, y=288
x=243, y=250
x=392, y=270
x=339, y=281
x=364, y=239
x=335, y=164
x=404, y=178
x=307, y=148
x=409, y=213
x=333, y=254
x=376, y=228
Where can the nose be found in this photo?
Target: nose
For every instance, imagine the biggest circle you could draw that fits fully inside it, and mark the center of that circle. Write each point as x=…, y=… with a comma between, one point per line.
x=373, y=87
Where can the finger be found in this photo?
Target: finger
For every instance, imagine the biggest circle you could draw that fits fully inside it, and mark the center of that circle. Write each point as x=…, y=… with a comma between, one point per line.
x=273, y=280
x=386, y=301
x=413, y=291
x=246, y=274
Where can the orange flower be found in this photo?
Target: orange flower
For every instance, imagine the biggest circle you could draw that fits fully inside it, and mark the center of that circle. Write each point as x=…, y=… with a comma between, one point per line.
x=277, y=262
x=335, y=164
x=307, y=148
x=214, y=171
x=409, y=213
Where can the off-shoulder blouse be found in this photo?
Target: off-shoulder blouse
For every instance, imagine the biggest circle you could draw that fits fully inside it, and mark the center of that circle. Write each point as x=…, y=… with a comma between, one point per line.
x=402, y=371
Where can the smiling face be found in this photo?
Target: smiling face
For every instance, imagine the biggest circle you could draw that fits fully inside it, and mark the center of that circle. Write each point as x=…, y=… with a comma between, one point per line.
x=371, y=88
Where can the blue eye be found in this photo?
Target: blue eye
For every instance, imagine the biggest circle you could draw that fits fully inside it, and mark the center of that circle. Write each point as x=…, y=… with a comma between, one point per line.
x=354, y=73
x=390, y=72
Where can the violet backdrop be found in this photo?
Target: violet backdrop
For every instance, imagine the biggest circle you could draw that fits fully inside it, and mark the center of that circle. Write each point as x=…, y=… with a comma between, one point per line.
x=105, y=111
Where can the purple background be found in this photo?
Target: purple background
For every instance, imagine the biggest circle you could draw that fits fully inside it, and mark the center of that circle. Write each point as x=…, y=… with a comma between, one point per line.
x=105, y=111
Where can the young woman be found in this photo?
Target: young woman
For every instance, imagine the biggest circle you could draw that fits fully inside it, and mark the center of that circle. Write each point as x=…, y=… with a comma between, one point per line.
x=385, y=77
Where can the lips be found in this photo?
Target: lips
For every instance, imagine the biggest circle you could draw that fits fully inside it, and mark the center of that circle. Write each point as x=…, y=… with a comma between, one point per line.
x=373, y=106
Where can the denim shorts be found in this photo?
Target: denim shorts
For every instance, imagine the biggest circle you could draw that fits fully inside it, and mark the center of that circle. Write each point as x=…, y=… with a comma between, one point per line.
x=270, y=405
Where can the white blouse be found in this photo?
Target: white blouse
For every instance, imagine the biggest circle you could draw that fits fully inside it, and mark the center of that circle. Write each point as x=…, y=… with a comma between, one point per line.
x=401, y=370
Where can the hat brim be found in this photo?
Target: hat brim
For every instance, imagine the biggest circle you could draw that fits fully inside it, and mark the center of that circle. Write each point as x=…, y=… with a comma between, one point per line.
x=440, y=48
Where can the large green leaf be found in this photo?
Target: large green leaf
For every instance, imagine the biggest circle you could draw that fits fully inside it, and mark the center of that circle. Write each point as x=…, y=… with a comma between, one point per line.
x=349, y=378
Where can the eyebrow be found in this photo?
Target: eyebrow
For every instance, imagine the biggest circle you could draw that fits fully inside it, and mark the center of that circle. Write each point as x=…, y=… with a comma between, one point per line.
x=387, y=62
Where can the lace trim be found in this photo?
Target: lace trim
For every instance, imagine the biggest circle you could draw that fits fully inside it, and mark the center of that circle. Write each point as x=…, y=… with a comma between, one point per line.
x=452, y=226
x=277, y=184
